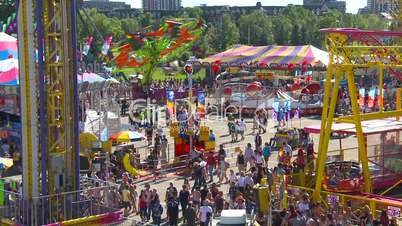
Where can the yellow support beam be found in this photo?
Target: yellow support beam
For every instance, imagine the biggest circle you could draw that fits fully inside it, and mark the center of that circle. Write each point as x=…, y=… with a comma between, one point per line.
x=371, y=116
x=327, y=89
x=359, y=130
x=349, y=197
x=325, y=133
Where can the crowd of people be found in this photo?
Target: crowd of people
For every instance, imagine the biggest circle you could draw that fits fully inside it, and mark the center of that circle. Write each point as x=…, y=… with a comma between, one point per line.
x=216, y=188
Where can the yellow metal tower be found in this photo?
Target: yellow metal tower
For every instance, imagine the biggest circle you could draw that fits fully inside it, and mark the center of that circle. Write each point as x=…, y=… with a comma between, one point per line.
x=352, y=49
x=49, y=98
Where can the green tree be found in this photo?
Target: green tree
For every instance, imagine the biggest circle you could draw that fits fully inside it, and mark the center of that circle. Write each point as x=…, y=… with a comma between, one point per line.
x=211, y=37
x=99, y=26
x=304, y=39
x=224, y=34
x=7, y=7
x=256, y=29
x=295, y=39
x=146, y=20
x=191, y=12
x=229, y=32
x=282, y=27
x=130, y=25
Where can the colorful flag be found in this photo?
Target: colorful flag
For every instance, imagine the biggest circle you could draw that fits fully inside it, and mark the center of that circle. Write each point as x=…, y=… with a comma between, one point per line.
x=201, y=104
x=87, y=46
x=104, y=135
x=170, y=103
x=106, y=45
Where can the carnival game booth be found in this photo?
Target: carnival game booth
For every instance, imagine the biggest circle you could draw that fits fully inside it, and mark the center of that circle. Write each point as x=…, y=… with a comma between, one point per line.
x=384, y=152
x=202, y=139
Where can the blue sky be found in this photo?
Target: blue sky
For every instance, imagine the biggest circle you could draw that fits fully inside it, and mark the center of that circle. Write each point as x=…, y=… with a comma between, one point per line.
x=351, y=5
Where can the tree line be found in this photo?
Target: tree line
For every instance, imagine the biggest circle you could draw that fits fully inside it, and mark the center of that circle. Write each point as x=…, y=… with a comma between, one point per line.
x=295, y=26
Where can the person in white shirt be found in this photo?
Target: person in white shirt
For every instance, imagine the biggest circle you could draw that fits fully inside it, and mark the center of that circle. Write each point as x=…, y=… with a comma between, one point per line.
x=205, y=214
x=232, y=177
x=248, y=154
x=304, y=205
x=159, y=131
x=249, y=180
x=241, y=182
x=259, y=159
x=288, y=149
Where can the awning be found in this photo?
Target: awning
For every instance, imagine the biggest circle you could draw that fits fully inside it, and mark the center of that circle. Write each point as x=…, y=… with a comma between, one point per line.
x=369, y=127
x=90, y=78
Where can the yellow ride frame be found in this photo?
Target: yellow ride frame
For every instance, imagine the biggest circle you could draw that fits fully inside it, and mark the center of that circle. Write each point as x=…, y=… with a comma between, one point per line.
x=340, y=62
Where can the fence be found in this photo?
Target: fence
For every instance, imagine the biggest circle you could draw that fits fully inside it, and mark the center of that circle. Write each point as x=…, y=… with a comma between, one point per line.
x=96, y=199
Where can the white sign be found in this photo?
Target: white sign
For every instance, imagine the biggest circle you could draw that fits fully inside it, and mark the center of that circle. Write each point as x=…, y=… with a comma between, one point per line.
x=394, y=212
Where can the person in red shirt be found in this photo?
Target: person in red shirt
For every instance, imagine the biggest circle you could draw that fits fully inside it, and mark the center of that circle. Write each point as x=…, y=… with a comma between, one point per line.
x=211, y=163
x=142, y=205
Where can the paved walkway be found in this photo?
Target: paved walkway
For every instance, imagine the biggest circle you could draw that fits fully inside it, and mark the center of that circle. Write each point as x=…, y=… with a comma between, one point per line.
x=221, y=131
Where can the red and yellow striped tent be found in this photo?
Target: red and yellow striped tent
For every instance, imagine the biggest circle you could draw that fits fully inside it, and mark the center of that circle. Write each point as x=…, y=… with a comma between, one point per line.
x=272, y=54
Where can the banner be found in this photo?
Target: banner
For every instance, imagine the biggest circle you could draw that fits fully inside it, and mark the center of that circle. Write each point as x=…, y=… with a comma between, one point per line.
x=87, y=46
x=170, y=103
x=106, y=45
x=201, y=104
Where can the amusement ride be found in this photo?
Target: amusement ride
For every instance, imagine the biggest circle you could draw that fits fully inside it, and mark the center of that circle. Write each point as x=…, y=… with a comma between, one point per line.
x=53, y=191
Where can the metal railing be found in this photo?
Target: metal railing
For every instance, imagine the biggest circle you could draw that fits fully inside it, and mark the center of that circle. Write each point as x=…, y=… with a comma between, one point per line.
x=96, y=199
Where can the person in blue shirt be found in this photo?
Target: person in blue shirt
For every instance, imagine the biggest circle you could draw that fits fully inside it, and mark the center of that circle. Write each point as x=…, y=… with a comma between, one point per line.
x=212, y=136
x=266, y=152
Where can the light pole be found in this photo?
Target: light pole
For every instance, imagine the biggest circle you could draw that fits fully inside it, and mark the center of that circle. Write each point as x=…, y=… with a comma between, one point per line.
x=188, y=68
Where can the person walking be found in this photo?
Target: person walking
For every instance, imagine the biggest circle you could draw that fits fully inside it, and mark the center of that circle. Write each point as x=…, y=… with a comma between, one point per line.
x=205, y=214
x=241, y=161
x=157, y=211
x=266, y=152
x=199, y=174
x=148, y=198
x=223, y=166
x=248, y=154
x=222, y=152
x=142, y=205
x=164, y=149
x=184, y=198
x=211, y=163
x=257, y=141
x=190, y=215
x=126, y=199
x=242, y=128
x=173, y=211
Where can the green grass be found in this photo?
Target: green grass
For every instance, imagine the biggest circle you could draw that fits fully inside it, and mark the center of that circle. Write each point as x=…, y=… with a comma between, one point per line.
x=159, y=74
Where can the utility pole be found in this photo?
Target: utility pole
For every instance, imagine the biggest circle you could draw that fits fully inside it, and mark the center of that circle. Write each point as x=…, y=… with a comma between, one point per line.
x=188, y=68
